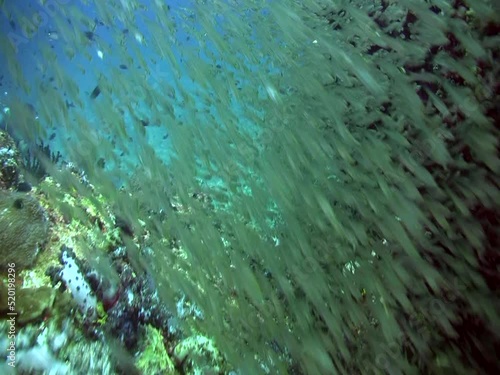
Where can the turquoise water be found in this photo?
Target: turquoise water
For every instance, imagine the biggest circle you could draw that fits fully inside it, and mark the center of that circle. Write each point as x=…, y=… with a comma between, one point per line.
x=280, y=187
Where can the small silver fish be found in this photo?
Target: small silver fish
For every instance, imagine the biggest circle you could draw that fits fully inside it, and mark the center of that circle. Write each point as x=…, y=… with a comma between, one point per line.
x=53, y=35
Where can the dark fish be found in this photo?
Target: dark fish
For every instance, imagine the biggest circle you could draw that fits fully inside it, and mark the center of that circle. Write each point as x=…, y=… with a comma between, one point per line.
x=95, y=93
x=101, y=163
x=89, y=35
x=52, y=136
x=123, y=67
x=145, y=123
x=18, y=203
x=32, y=109
x=124, y=225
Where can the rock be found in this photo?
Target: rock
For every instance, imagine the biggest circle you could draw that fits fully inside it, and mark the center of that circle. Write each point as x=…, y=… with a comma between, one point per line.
x=154, y=358
x=198, y=354
x=31, y=303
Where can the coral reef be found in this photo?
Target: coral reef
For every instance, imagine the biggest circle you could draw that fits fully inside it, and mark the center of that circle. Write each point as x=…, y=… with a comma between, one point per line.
x=138, y=305
x=198, y=354
x=24, y=228
x=9, y=162
x=110, y=305
x=39, y=160
x=153, y=358
x=58, y=347
x=32, y=304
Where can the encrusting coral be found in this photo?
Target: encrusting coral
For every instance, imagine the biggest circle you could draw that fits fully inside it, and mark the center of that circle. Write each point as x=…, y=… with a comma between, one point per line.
x=24, y=228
